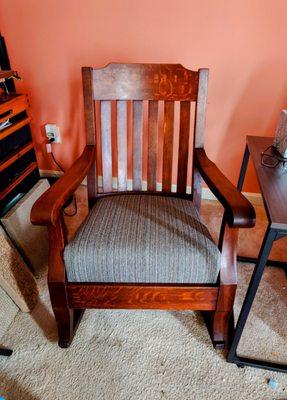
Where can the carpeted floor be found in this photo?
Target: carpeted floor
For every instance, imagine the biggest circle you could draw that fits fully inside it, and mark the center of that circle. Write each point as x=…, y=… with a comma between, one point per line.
x=145, y=355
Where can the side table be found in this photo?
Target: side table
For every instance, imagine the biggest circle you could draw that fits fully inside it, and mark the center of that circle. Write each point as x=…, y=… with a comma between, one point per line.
x=273, y=186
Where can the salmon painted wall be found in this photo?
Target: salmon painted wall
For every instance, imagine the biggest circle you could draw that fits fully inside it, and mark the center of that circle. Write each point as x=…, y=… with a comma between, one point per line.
x=242, y=42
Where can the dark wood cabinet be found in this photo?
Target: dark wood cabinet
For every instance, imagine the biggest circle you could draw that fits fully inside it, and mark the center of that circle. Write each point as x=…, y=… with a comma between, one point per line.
x=18, y=164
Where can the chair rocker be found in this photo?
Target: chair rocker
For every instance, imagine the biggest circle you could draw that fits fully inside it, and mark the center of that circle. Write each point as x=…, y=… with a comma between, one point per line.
x=143, y=244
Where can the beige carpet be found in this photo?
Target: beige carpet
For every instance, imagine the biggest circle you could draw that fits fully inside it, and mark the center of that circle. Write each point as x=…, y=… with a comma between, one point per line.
x=143, y=355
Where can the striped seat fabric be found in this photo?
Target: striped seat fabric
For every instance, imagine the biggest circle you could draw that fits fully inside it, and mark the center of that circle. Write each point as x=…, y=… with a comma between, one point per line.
x=142, y=239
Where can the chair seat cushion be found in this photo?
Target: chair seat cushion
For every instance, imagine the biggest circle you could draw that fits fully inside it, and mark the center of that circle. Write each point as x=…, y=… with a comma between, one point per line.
x=142, y=239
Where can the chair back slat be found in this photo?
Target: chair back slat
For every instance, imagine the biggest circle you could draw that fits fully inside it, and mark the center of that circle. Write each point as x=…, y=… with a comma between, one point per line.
x=137, y=144
x=183, y=146
x=168, y=126
x=122, y=144
x=142, y=117
x=201, y=108
x=152, y=144
x=106, y=145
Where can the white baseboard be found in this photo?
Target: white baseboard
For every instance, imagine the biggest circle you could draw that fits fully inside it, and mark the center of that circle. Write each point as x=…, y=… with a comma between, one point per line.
x=254, y=198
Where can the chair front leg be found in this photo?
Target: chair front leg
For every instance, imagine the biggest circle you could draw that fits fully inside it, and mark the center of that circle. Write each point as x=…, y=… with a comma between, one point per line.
x=222, y=320
x=67, y=319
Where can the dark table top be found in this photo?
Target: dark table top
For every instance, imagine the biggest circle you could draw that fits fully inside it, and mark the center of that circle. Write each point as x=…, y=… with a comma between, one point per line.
x=272, y=182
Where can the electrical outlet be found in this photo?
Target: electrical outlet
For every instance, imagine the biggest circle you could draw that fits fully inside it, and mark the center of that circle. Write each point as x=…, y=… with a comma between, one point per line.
x=53, y=132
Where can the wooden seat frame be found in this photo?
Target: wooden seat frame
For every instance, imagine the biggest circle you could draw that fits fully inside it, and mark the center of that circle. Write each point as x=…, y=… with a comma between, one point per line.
x=153, y=83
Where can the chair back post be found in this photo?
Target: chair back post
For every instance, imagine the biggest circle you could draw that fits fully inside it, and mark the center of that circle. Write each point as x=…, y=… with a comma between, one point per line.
x=199, y=132
x=90, y=126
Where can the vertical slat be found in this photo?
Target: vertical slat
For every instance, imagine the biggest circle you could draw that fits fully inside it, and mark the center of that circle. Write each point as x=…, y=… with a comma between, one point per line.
x=90, y=125
x=114, y=143
x=99, y=163
x=167, y=145
x=184, y=128
x=137, y=144
x=199, y=129
x=152, y=144
x=160, y=119
x=201, y=107
x=122, y=144
x=129, y=144
x=145, y=145
x=106, y=145
x=175, y=145
x=87, y=78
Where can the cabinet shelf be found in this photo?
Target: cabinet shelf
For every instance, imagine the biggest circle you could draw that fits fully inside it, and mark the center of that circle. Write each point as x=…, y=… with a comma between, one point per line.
x=14, y=127
x=20, y=178
x=14, y=157
x=18, y=164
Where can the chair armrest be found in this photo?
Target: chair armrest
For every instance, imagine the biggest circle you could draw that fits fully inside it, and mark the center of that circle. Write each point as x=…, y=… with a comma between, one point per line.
x=239, y=211
x=47, y=209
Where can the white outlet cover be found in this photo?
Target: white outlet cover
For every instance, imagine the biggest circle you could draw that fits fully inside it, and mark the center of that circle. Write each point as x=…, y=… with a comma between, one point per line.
x=53, y=131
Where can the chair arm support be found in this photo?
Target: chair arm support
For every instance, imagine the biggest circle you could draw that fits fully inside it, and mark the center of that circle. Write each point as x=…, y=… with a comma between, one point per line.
x=239, y=211
x=228, y=246
x=47, y=209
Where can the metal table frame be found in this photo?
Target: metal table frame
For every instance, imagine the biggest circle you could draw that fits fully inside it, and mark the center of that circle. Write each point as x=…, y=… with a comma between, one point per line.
x=272, y=234
x=6, y=352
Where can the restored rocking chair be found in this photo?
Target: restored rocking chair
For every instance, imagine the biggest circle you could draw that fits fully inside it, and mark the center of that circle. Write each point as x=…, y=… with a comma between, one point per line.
x=143, y=245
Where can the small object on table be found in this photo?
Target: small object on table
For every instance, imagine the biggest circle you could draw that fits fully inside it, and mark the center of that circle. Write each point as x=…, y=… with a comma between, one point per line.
x=272, y=183
x=271, y=158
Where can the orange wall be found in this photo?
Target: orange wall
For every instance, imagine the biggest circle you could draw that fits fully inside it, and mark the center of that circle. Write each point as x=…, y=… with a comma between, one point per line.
x=243, y=42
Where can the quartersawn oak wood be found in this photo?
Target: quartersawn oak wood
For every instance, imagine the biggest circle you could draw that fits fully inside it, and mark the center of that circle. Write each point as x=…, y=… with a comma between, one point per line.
x=141, y=296
x=239, y=211
x=47, y=209
x=122, y=144
x=90, y=126
x=183, y=146
x=145, y=82
x=137, y=144
x=199, y=133
x=167, y=145
x=152, y=144
x=106, y=141
x=137, y=82
x=67, y=319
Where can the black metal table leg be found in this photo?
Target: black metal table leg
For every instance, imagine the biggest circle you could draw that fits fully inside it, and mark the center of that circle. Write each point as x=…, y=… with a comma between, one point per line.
x=232, y=357
x=273, y=190
x=243, y=169
x=253, y=260
x=6, y=352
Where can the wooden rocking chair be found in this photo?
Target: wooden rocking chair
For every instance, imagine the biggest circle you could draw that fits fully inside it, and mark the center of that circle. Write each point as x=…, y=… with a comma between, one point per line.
x=143, y=245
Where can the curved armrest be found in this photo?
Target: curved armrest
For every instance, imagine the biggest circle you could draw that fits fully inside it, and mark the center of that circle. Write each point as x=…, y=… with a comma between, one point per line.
x=239, y=211
x=47, y=209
